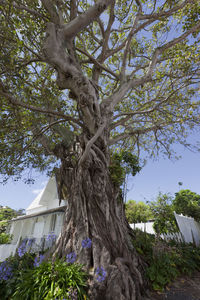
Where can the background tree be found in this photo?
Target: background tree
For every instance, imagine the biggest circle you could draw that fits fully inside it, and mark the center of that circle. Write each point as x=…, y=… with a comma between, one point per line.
x=79, y=78
x=6, y=214
x=187, y=203
x=137, y=212
x=163, y=214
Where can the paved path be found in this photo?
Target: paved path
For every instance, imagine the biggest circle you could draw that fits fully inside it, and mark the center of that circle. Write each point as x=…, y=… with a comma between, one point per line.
x=184, y=288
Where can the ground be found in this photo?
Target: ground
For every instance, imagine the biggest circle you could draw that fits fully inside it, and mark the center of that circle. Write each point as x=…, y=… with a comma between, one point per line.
x=183, y=288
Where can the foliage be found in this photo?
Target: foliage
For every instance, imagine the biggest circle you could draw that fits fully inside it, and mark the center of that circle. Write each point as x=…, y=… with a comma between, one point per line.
x=6, y=214
x=187, y=203
x=165, y=260
x=138, y=73
x=51, y=280
x=18, y=266
x=123, y=163
x=163, y=213
x=137, y=212
x=5, y=238
x=47, y=280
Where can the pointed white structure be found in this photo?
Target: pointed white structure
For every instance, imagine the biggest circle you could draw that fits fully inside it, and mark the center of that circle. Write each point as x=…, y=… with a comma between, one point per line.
x=43, y=216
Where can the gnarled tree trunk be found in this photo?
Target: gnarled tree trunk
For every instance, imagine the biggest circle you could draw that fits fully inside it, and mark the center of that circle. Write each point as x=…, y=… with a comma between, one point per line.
x=96, y=212
x=94, y=209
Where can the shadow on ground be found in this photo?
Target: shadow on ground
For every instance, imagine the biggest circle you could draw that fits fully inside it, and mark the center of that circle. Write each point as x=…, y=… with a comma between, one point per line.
x=184, y=288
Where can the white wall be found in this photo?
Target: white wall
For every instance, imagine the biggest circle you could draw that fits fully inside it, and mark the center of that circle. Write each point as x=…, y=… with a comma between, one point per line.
x=34, y=227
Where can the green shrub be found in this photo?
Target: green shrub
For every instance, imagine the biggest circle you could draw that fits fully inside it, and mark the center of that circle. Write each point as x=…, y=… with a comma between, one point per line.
x=144, y=243
x=165, y=260
x=162, y=270
x=45, y=281
x=5, y=238
x=17, y=265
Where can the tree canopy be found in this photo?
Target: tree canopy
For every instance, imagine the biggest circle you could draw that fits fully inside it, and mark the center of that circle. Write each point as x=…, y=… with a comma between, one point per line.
x=138, y=59
x=187, y=203
x=137, y=212
x=163, y=214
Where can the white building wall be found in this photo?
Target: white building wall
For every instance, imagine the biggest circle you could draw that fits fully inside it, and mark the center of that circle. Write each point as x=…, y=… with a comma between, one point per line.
x=37, y=227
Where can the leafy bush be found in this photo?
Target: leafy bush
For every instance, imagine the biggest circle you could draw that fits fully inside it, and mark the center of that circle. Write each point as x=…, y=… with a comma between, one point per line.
x=5, y=238
x=31, y=279
x=16, y=266
x=165, y=261
x=162, y=270
x=163, y=214
x=51, y=280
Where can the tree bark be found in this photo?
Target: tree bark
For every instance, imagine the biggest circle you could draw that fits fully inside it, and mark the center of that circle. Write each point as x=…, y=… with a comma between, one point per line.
x=95, y=211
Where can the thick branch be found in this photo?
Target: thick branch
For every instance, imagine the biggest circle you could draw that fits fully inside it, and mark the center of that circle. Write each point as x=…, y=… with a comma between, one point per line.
x=71, y=29
x=135, y=132
x=91, y=142
x=119, y=95
x=48, y=5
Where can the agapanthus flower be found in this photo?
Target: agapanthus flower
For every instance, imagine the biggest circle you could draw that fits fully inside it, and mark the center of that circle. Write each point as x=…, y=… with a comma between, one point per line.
x=21, y=250
x=24, y=241
x=31, y=241
x=101, y=274
x=51, y=237
x=72, y=294
x=5, y=271
x=87, y=243
x=38, y=259
x=71, y=257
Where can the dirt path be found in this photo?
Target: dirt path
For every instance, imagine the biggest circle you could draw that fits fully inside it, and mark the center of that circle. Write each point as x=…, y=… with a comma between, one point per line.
x=184, y=288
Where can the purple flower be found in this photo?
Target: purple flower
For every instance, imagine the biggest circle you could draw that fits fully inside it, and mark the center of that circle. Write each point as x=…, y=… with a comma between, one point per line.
x=5, y=271
x=21, y=250
x=87, y=243
x=72, y=294
x=51, y=237
x=24, y=241
x=31, y=241
x=71, y=257
x=101, y=274
x=38, y=260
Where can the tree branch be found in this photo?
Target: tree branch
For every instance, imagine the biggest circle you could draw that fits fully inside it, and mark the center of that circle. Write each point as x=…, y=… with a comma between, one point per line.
x=97, y=63
x=137, y=131
x=91, y=142
x=48, y=5
x=16, y=102
x=125, y=87
x=71, y=29
x=168, y=13
x=25, y=8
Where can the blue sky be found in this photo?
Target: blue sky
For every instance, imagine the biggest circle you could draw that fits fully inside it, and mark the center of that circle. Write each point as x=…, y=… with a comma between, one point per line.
x=162, y=175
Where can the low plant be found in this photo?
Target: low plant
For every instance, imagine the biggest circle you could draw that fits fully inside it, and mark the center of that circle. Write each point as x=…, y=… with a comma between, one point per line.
x=165, y=260
x=52, y=280
x=29, y=276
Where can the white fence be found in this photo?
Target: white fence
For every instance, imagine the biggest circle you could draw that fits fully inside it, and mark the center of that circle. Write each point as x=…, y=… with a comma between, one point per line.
x=189, y=229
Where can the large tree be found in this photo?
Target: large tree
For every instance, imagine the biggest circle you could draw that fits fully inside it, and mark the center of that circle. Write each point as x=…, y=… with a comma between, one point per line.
x=82, y=78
